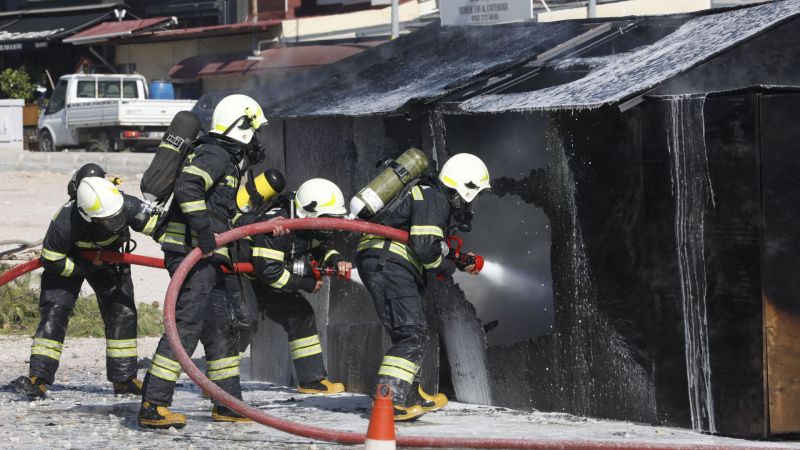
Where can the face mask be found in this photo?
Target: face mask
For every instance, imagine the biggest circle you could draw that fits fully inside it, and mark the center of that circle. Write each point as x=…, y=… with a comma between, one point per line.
x=113, y=224
x=460, y=210
x=255, y=151
x=463, y=217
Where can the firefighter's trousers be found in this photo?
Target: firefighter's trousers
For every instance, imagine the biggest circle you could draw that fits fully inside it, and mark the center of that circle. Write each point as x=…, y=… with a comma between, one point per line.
x=202, y=313
x=398, y=296
x=293, y=312
x=114, y=290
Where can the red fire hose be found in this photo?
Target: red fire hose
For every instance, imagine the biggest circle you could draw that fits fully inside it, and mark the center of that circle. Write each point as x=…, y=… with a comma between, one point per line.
x=325, y=434
x=312, y=432
x=110, y=257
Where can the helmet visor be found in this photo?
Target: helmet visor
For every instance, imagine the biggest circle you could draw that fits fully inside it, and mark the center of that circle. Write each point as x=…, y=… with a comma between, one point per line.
x=114, y=223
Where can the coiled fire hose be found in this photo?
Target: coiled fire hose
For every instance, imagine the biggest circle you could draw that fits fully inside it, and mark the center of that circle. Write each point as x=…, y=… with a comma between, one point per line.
x=310, y=431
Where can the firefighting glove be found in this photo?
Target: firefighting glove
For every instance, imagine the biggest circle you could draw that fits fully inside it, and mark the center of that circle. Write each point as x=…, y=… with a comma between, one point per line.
x=447, y=268
x=307, y=284
x=206, y=240
x=222, y=261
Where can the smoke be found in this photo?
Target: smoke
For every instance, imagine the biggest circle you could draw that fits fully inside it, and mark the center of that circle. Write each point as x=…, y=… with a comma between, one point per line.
x=514, y=236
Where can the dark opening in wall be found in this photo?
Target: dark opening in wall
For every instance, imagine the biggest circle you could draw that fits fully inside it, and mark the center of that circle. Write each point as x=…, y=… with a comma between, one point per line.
x=516, y=286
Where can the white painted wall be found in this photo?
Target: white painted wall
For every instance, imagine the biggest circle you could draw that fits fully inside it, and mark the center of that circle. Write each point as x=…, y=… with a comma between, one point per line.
x=628, y=8
x=346, y=26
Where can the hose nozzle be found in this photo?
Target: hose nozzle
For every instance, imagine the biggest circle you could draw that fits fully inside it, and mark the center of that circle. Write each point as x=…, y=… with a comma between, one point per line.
x=303, y=268
x=464, y=259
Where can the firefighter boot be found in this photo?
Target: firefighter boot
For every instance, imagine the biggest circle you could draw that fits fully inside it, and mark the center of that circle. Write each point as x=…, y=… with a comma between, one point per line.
x=154, y=416
x=408, y=412
x=34, y=388
x=429, y=402
x=323, y=386
x=132, y=386
x=224, y=414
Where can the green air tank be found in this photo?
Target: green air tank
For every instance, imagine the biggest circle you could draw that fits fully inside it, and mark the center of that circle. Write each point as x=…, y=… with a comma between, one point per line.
x=383, y=188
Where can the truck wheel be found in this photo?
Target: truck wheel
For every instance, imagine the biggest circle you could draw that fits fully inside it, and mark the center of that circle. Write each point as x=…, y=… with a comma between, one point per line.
x=46, y=143
x=102, y=143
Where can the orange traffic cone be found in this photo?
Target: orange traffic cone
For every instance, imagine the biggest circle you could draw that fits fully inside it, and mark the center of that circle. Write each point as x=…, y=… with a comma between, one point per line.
x=380, y=434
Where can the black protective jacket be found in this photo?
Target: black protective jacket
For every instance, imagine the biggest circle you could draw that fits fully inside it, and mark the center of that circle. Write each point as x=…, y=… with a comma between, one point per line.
x=425, y=213
x=69, y=233
x=272, y=257
x=204, y=198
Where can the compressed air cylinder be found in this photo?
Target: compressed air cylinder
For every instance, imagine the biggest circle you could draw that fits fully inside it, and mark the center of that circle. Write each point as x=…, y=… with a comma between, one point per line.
x=267, y=184
x=383, y=188
x=159, y=178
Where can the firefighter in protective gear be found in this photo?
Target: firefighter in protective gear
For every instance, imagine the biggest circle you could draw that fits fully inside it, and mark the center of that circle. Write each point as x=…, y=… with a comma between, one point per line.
x=98, y=219
x=203, y=205
x=395, y=274
x=278, y=289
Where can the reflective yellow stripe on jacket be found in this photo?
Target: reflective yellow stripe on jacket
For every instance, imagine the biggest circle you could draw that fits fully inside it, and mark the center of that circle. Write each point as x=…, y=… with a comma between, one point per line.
x=268, y=253
x=189, y=207
x=426, y=230
x=176, y=234
x=150, y=225
x=51, y=255
x=372, y=241
x=282, y=280
x=194, y=170
x=328, y=255
x=69, y=266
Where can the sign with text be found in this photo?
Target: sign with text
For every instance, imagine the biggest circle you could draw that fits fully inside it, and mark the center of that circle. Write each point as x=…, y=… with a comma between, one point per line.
x=484, y=12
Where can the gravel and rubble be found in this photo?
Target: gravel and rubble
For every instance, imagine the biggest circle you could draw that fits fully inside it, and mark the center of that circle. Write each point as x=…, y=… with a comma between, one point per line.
x=82, y=412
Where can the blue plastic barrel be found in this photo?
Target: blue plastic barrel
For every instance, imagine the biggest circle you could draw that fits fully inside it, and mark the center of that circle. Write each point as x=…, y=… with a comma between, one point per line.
x=161, y=90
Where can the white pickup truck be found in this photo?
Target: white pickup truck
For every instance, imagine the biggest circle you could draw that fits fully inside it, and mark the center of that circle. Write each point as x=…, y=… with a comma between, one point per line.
x=105, y=113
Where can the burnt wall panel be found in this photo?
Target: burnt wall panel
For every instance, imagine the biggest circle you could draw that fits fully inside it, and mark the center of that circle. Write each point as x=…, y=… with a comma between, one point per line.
x=732, y=264
x=780, y=167
x=596, y=208
x=660, y=275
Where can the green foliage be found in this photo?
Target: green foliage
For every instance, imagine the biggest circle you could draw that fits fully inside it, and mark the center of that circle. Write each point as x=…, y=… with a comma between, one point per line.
x=16, y=83
x=19, y=312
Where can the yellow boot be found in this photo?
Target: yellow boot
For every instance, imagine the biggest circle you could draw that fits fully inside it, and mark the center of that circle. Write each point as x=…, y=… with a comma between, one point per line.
x=34, y=388
x=132, y=386
x=154, y=416
x=429, y=402
x=224, y=414
x=407, y=413
x=323, y=386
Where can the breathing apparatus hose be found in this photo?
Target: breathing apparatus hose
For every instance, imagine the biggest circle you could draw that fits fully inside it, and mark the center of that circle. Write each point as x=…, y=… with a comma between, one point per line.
x=310, y=431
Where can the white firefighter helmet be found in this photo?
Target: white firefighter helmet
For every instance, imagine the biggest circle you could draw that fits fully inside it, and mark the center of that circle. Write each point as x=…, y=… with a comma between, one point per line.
x=239, y=115
x=466, y=174
x=319, y=197
x=100, y=202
